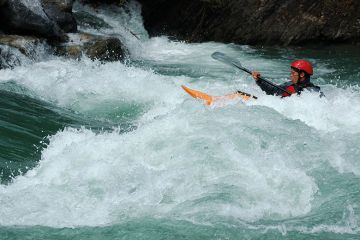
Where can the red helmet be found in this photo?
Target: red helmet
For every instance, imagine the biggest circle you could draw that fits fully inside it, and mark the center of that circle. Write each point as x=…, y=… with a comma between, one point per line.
x=303, y=65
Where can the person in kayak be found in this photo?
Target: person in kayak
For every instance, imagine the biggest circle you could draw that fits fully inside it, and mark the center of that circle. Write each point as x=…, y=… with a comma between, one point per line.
x=301, y=70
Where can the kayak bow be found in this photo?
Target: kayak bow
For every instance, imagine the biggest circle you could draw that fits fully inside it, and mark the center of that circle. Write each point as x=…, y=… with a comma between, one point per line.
x=209, y=100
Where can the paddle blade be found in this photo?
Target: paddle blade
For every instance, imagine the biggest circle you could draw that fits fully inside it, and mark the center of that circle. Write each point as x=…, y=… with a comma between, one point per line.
x=226, y=59
x=229, y=61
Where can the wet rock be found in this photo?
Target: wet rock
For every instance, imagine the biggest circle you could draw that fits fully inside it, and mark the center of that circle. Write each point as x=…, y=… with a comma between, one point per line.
x=87, y=20
x=109, y=49
x=8, y=58
x=2, y=2
x=25, y=44
x=95, y=47
x=72, y=51
x=75, y=46
x=98, y=2
x=60, y=11
x=15, y=50
x=27, y=18
x=269, y=22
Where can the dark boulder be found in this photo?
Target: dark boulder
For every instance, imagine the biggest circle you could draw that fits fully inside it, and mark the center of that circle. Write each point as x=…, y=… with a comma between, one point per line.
x=27, y=18
x=60, y=11
x=254, y=22
x=2, y=2
x=87, y=20
x=98, y=2
x=95, y=47
x=109, y=49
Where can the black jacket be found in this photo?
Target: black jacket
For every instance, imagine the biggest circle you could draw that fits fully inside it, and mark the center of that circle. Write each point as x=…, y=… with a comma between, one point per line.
x=288, y=86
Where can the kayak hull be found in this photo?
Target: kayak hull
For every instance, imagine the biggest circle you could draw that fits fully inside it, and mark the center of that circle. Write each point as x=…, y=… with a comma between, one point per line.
x=210, y=100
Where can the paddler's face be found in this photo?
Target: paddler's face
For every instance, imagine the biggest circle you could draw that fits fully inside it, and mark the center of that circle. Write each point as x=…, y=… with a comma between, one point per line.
x=294, y=76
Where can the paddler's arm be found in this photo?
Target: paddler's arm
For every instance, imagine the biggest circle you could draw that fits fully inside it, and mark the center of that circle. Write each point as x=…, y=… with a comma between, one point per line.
x=267, y=88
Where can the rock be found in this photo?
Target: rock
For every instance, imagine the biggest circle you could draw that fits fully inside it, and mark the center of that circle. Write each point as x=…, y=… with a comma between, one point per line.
x=72, y=51
x=2, y=2
x=98, y=2
x=75, y=46
x=27, y=18
x=8, y=57
x=60, y=11
x=14, y=50
x=110, y=49
x=269, y=22
x=25, y=44
x=95, y=47
x=87, y=20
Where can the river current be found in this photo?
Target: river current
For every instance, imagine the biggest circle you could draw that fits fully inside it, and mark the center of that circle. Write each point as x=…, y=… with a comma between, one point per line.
x=92, y=150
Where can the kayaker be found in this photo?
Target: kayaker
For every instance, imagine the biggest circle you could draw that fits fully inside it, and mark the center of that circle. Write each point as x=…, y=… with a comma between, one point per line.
x=301, y=70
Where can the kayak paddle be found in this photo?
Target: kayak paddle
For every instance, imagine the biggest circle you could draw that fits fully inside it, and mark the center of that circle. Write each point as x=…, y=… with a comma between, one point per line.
x=235, y=63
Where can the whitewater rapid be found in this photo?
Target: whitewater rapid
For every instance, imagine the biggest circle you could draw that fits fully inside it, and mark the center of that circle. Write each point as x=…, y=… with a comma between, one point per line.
x=244, y=161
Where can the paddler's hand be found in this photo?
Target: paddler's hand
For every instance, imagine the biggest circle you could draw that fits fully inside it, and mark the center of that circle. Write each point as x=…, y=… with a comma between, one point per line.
x=255, y=75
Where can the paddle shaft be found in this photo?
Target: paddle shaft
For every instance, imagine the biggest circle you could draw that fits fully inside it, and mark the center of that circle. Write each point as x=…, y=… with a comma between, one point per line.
x=260, y=78
x=222, y=57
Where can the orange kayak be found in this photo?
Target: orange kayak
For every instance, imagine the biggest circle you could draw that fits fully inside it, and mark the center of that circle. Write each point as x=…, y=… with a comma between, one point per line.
x=209, y=100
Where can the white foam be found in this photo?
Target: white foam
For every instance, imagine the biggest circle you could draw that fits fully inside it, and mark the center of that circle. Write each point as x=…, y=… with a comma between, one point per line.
x=338, y=110
x=84, y=85
x=174, y=165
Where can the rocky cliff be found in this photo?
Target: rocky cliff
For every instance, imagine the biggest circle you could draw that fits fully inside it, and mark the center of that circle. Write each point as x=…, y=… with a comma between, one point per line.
x=254, y=21
x=25, y=24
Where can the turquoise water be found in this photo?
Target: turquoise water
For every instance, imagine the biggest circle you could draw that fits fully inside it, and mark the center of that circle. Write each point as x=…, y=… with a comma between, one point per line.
x=120, y=151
